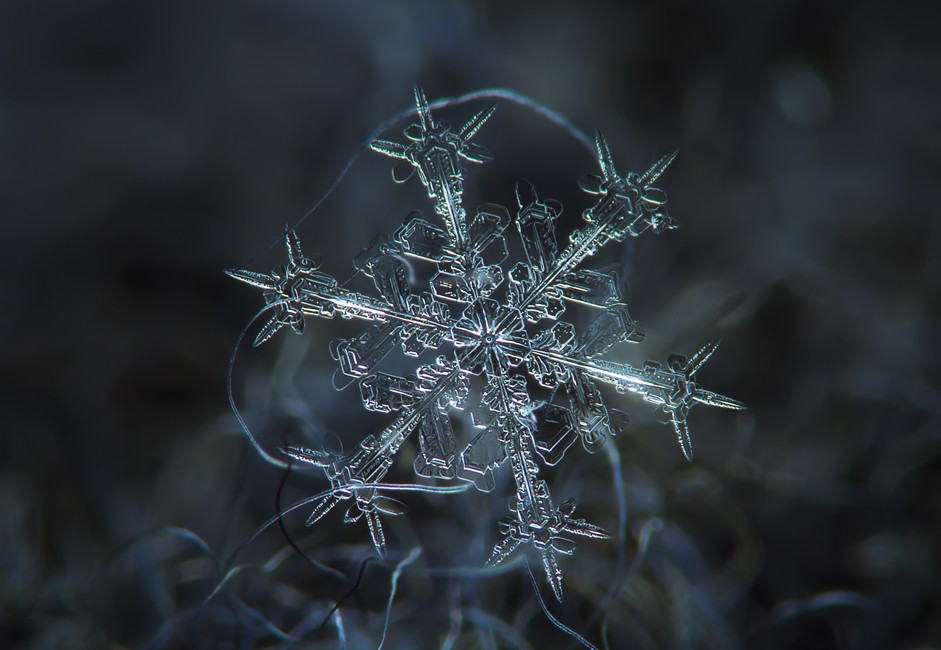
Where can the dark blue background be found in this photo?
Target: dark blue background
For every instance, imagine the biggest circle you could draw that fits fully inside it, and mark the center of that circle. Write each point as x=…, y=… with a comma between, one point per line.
x=144, y=147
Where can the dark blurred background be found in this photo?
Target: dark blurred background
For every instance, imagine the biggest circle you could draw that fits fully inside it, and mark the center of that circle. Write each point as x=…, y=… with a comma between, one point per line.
x=144, y=147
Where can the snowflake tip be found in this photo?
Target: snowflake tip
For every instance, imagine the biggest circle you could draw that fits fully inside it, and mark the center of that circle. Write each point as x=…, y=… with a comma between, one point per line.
x=503, y=550
x=721, y=401
x=604, y=158
x=391, y=149
x=259, y=280
x=270, y=329
x=304, y=455
x=553, y=572
x=424, y=111
x=682, y=436
x=657, y=169
x=376, y=533
x=700, y=358
x=323, y=507
x=295, y=254
x=473, y=125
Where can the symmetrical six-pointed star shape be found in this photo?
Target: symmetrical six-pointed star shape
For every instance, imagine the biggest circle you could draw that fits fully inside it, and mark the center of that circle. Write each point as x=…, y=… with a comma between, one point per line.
x=481, y=321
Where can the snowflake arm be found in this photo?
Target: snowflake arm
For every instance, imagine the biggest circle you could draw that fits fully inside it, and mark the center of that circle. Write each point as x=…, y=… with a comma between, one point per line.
x=672, y=388
x=434, y=152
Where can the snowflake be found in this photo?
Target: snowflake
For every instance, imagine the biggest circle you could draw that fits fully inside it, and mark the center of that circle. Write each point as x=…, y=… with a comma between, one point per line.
x=500, y=342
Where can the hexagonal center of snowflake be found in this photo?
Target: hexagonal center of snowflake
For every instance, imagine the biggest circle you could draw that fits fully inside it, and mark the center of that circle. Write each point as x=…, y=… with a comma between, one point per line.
x=491, y=336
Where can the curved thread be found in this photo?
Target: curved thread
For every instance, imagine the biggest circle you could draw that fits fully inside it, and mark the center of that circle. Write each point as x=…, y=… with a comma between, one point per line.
x=411, y=557
x=277, y=462
x=559, y=624
x=389, y=487
x=284, y=531
x=359, y=579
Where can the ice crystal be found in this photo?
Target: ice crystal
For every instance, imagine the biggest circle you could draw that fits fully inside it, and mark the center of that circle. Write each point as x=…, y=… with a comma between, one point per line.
x=458, y=315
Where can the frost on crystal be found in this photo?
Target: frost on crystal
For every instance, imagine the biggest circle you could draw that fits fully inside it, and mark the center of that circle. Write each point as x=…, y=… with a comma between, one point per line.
x=461, y=317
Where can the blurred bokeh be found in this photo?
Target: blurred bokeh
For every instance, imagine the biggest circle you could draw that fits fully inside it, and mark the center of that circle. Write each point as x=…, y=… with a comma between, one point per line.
x=144, y=147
